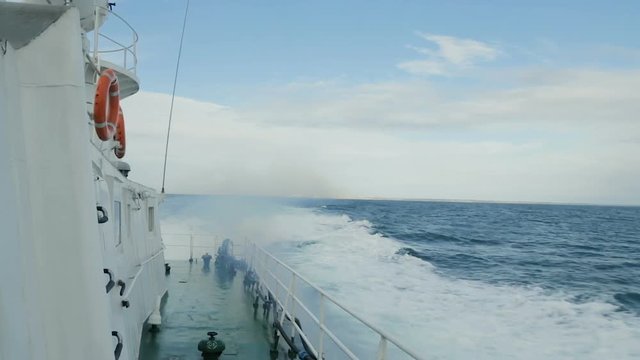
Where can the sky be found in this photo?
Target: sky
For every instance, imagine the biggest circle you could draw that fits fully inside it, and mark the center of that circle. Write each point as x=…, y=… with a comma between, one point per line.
x=534, y=101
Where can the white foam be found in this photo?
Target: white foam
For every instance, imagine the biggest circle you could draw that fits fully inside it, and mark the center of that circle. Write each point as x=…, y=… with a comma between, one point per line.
x=439, y=316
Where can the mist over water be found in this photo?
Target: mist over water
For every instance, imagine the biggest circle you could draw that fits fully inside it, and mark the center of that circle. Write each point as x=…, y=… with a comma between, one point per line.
x=453, y=280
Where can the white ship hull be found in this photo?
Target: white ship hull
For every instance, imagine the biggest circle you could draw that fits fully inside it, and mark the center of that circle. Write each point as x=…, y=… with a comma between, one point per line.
x=53, y=297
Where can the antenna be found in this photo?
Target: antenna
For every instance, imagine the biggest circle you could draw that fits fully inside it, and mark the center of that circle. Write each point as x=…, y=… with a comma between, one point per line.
x=173, y=95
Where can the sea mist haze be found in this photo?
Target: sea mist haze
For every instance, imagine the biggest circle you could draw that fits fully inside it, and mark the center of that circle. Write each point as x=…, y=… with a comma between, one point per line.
x=453, y=280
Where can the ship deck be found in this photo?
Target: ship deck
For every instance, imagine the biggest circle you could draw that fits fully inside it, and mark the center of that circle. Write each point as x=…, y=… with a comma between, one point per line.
x=199, y=301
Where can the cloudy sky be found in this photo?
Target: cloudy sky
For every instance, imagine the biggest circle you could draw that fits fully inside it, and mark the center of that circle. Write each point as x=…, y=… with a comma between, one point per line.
x=478, y=100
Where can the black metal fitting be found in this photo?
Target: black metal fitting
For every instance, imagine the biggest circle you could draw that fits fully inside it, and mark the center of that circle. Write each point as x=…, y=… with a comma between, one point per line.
x=111, y=283
x=122, y=287
x=118, y=350
x=103, y=216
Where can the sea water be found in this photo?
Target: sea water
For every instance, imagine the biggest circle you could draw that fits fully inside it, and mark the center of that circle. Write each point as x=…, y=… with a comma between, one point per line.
x=452, y=280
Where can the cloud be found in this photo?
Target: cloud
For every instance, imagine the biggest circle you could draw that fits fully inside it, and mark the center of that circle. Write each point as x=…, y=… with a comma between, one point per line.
x=559, y=100
x=425, y=67
x=450, y=56
x=522, y=156
x=460, y=51
x=212, y=151
x=530, y=134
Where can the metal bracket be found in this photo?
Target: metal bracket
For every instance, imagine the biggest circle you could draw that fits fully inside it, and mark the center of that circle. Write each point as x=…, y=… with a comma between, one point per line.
x=111, y=283
x=118, y=349
x=103, y=216
x=122, y=287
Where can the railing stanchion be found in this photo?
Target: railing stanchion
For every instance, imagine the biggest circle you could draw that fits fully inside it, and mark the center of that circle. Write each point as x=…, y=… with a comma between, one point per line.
x=321, y=341
x=382, y=348
x=135, y=56
x=292, y=292
x=286, y=299
x=96, y=35
x=190, y=247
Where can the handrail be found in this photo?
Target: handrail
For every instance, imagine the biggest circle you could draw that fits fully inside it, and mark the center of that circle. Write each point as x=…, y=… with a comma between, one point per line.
x=152, y=257
x=190, y=234
x=141, y=267
x=384, y=336
x=212, y=242
x=122, y=46
x=333, y=337
x=126, y=50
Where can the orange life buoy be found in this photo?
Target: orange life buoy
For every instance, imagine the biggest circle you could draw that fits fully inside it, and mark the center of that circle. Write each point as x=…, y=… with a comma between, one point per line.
x=106, y=105
x=120, y=136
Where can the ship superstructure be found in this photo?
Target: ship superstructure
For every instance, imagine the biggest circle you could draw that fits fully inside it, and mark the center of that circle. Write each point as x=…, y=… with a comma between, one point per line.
x=82, y=263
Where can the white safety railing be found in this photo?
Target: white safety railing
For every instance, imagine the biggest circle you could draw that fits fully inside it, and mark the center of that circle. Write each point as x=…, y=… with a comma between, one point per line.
x=193, y=245
x=122, y=53
x=296, y=297
x=141, y=267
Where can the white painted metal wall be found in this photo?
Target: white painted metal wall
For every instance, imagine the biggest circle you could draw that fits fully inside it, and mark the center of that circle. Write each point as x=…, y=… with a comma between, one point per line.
x=15, y=323
x=85, y=9
x=53, y=303
x=135, y=257
x=54, y=262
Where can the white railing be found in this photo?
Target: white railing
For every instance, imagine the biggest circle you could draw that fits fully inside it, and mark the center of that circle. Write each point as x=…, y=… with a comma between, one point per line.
x=121, y=53
x=135, y=277
x=289, y=289
x=193, y=245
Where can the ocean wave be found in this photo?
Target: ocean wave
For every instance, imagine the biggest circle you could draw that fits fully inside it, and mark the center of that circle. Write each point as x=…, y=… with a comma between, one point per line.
x=407, y=251
x=630, y=301
x=455, y=318
x=307, y=243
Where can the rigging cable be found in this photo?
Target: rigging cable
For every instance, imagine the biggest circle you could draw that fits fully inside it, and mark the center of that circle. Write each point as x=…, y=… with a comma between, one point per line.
x=173, y=95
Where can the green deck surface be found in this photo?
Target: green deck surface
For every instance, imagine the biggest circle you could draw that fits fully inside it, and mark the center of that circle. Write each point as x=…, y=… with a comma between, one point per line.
x=199, y=301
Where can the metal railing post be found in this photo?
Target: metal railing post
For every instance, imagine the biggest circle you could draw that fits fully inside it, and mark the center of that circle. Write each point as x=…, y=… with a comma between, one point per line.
x=321, y=341
x=286, y=299
x=96, y=35
x=264, y=263
x=292, y=290
x=191, y=247
x=382, y=348
x=253, y=252
x=263, y=268
x=135, y=55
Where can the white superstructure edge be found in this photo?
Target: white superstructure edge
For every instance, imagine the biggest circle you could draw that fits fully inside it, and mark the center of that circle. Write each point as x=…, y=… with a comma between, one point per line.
x=54, y=174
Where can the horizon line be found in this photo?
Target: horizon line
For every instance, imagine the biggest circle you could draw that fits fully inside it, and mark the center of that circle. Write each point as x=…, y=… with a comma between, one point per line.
x=374, y=198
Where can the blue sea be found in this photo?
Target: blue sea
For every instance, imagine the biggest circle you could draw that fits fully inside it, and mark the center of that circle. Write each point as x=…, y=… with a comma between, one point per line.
x=455, y=280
